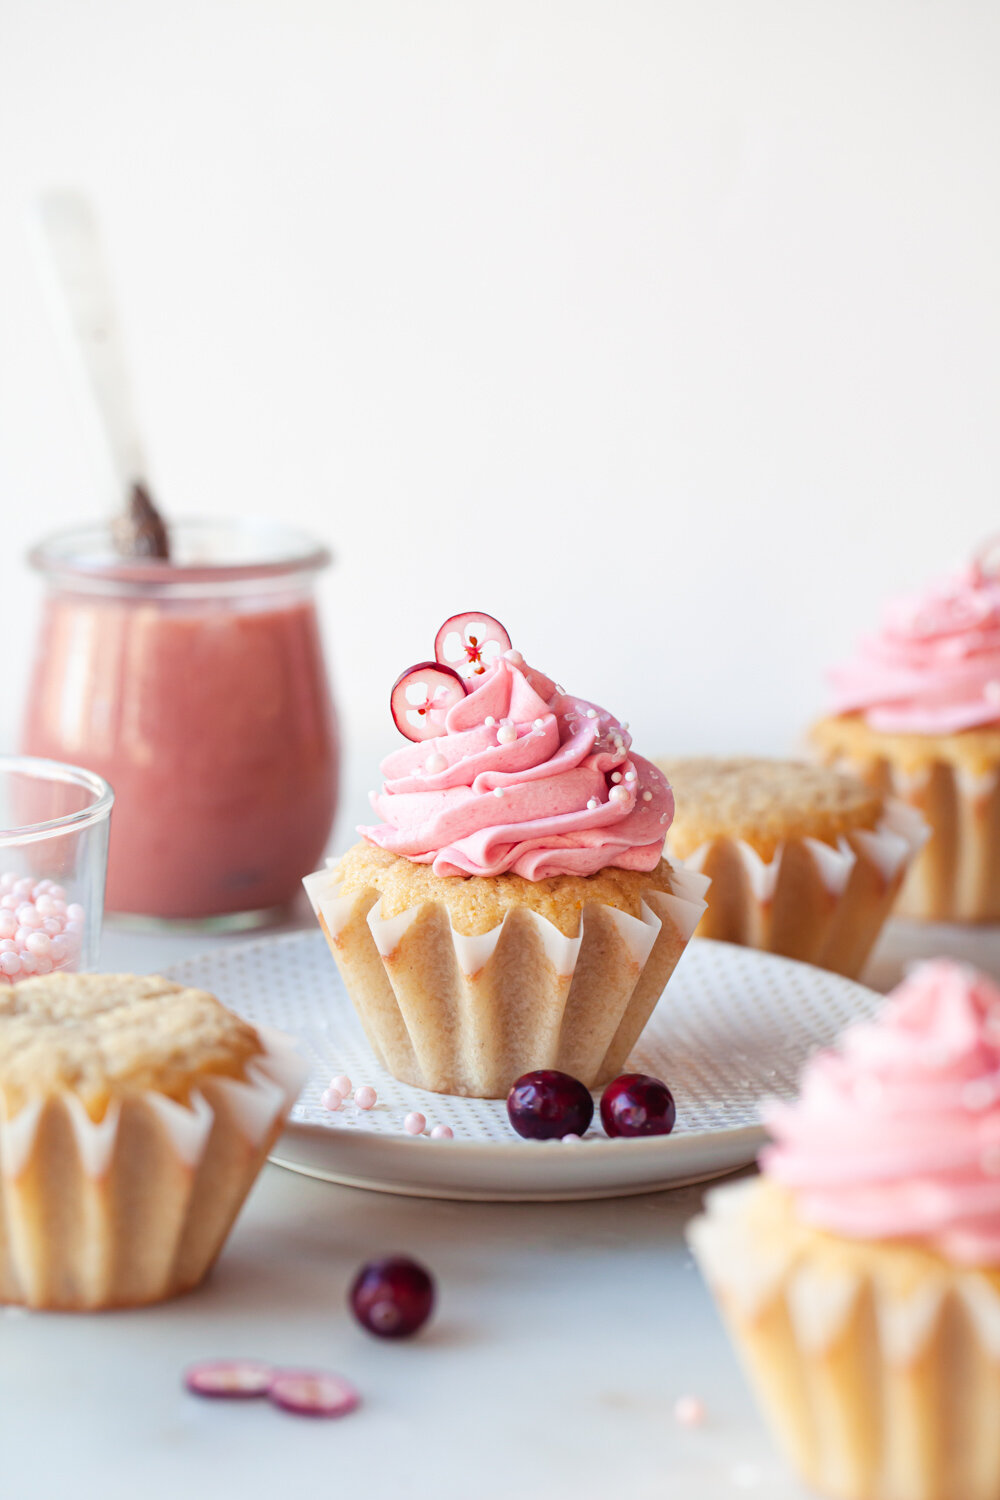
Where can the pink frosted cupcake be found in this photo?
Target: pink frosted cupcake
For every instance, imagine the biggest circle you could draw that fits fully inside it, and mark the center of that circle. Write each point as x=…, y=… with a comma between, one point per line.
x=512, y=908
x=860, y=1274
x=916, y=712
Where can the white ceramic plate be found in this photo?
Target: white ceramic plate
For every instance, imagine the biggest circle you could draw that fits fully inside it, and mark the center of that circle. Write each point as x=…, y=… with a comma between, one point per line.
x=733, y=1027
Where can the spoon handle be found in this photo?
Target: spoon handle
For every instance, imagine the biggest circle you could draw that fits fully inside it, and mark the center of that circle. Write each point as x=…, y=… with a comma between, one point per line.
x=83, y=309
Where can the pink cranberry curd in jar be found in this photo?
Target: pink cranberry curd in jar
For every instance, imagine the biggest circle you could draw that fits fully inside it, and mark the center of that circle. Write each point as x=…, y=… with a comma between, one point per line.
x=196, y=687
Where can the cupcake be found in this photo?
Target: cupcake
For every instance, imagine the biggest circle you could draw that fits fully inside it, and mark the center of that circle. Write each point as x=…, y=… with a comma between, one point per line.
x=134, y=1116
x=511, y=909
x=803, y=861
x=860, y=1274
x=917, y=713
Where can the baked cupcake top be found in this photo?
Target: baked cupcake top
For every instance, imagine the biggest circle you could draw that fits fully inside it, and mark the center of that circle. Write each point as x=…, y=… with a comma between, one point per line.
x=896, y=1133
x=104, y=1036
x=509, y=773
x=764, y=802
x=934, y=666
x=479, y=906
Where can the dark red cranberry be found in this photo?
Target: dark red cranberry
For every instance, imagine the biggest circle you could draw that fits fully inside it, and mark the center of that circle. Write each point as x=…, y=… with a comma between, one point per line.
x=546, y=1105
x=636, y=1104
x=392, y=1297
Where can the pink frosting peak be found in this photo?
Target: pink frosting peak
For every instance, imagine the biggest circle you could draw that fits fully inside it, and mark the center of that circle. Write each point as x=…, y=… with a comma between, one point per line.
x=527, y=779
x=896, y=1134
x=934, y=667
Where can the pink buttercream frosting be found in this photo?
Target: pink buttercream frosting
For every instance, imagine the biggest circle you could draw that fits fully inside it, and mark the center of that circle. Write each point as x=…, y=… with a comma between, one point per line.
x=896, y=1134
x=525, y=778
x=934, y=667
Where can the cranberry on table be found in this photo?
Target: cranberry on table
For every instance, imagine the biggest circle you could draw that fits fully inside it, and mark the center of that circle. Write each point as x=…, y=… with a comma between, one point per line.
x=546, y=1105
x=636, y=1104
x=393, y=1297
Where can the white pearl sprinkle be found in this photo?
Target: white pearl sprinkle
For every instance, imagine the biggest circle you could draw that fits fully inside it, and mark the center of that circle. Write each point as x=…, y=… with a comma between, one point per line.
x=618, y=794
x=592, y=802
x=616, y=776
x=506, y=734
x=647, y=796
x=498, y=791
x=629, y=775
x=539, y=723
x=434, y=763
x=489, y=721
x=591, y=713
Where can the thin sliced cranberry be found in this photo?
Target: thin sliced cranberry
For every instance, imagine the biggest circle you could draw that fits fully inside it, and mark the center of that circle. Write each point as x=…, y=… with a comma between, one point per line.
x=421, y=697
x=546, y=1105
x=393, y=1297
x=470, y=643
x=313, y=1393
x=636, y=1104
x=235, y=1379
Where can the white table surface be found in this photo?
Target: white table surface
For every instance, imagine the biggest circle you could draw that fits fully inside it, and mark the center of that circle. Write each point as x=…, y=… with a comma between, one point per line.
x=564, y=1334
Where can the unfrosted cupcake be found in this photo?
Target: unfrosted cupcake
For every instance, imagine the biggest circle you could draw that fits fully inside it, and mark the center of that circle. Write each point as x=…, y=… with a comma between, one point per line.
x=134, y=1116
x=803, y=861
x=512, y=909
x=917, y=713
x=860, y=1274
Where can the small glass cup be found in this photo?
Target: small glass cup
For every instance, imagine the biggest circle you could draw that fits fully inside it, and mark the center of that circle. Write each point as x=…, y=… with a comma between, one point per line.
x=198, y=688
x=54, y=822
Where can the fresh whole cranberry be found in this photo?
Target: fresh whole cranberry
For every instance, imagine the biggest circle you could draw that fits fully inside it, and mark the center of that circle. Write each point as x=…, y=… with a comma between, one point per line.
x=393, y=1297
x=546, y=1105
x=636, y=1104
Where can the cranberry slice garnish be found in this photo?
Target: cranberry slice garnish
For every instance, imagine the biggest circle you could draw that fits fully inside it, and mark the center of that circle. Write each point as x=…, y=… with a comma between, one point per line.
x=235, y=1379
x=546, y=1105
x=470, y=643
x=421, y=697
x=393, y=1297
x=636, y=1104
x=312, y=1393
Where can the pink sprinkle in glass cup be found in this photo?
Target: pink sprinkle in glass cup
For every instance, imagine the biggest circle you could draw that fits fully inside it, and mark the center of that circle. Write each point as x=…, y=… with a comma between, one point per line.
x=197, y=687
x=54, y=823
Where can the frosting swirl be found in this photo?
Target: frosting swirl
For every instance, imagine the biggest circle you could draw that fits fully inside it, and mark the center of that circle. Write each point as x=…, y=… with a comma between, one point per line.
x=934, y=667
x=896, y=1134
x=527, y=779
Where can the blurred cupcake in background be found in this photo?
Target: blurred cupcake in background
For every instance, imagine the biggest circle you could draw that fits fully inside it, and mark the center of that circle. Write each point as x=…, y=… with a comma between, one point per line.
x=917, y=712
x=802, y=860
x=860, y=1274
x=511, y=909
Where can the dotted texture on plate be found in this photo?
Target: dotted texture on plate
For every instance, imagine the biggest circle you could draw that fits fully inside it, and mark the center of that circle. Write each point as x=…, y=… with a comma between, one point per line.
x=733, y=1027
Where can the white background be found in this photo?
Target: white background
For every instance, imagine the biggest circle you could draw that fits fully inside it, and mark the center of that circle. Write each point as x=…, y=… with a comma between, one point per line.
x=666, y=330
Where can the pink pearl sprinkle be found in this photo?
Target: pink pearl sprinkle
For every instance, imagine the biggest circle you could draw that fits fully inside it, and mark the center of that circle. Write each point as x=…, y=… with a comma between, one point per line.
x=442, y=1133
x=331, y=1099
x=415, y=1123
x=365, y=1097
x=342, y=1084
x=29, y=964
x=60, y=950
x=43, y=965
x=39, y=943
x=23, y=888
x=74, y=912
x=22, y=935
x=57, y=893
x=8, y=924
x=9, y=902
x=7, y=945
x=689, y=1411
x=10, y=963
x=53, y=926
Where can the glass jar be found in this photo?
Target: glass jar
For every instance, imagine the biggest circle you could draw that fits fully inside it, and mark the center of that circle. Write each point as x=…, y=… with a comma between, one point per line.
x=196, y=687
x=53, y=856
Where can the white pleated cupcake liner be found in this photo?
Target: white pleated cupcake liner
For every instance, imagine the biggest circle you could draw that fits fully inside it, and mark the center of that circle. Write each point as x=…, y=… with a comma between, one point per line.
x=956, y=876
x=878, y=1386
x=134, y=1207
x=464, y=1014
x=832, y=921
